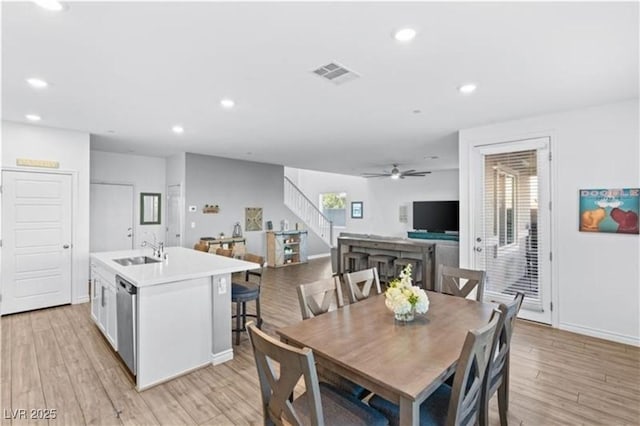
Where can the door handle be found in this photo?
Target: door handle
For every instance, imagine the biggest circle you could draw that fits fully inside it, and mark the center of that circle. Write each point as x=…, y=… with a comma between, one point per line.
x=66, y=246
x=478, y=249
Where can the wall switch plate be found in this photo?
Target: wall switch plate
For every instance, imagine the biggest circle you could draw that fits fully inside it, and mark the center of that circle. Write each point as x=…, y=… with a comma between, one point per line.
x=222, y=286
x=193, y=224
x=193, y=208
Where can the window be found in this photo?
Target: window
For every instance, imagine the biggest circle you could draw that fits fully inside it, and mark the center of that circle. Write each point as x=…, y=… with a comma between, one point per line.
x=505, y=217
x=334, y=206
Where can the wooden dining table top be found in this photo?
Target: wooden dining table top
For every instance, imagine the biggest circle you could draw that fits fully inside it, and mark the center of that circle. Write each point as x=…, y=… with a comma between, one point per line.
x=363, y=342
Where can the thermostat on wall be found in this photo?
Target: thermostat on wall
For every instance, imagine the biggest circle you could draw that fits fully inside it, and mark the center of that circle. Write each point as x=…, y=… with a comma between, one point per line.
x=192, y=208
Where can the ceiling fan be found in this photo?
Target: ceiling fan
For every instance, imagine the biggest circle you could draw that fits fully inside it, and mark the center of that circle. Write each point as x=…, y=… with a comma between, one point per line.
x=395, y=173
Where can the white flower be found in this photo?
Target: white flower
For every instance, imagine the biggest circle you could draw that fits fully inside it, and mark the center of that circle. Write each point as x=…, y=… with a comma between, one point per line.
x=401, y=296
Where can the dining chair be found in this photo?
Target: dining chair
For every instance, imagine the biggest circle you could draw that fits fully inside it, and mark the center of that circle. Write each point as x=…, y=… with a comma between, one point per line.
x=224, y=252
x=247, y=291
x=320, y=404
x=459, y=404
x=360, y=284
x=316, y=298
x=498, y=374
x=461, y=282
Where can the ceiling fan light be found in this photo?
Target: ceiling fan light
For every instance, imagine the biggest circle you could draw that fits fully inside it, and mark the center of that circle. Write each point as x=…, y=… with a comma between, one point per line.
x=395, y=176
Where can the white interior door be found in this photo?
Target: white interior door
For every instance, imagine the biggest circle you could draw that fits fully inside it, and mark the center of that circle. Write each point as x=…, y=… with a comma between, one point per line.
x=174, y=203
x=512, y=232
x=111, y=221
x=36, y=247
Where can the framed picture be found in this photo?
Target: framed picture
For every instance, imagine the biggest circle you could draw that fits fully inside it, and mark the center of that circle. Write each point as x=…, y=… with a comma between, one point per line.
x=356, y=210
x=253, y=219
x=610, y=210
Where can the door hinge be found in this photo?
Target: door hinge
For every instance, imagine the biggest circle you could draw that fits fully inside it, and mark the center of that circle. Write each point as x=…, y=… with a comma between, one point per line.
x=551, y=306
x=0, y=189
x=0, y=243
x=550, y=256
x=549, y=205
x=549, y=155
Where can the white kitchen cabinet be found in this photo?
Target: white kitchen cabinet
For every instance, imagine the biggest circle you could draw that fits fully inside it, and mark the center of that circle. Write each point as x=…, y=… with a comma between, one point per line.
x=103, y=303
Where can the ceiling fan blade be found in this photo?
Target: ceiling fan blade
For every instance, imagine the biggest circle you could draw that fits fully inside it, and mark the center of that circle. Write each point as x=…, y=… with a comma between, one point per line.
x=414, y=173
x=368, y=175
x=408, y=172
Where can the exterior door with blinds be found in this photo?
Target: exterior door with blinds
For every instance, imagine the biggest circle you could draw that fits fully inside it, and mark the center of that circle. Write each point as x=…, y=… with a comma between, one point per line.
x=512, y=224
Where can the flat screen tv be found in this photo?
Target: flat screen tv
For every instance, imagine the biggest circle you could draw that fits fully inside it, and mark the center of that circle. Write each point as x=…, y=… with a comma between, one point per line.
x=436, y=216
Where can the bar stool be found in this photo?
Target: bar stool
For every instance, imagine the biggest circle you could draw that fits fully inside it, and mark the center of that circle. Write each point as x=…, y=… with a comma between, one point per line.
x=384, y=264
x=416, y=268
x=355, y=261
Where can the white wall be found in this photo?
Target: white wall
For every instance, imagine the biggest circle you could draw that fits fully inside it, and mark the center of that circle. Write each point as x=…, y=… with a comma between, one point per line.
x=381, y=197
x=146, y=174
x=596, y=277
x=233, y=185
x=71, y=150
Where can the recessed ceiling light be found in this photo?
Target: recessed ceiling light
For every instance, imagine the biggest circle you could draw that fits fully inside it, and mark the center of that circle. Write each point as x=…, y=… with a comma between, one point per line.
x=37, y=83
x=405, y=34
x=417, y=111
x=32, y=117
x=178, y=130
x=227, y=103
x=53, y=5
x=466, y=89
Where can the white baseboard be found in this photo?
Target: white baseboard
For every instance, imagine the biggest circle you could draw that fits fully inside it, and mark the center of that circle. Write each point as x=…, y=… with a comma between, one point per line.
x=318, y=256
x=601, y=334
x=221, y=357
x=80, y=299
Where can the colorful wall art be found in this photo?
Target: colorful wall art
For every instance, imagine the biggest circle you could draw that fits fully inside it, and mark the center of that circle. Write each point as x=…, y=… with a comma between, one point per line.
x=610, y=210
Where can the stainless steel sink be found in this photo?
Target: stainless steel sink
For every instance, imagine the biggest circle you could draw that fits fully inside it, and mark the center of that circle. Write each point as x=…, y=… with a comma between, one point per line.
x=138, y=260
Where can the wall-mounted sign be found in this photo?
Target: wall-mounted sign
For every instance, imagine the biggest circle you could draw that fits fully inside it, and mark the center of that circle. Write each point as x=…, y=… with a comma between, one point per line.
x=610, y=210
x=47, y=164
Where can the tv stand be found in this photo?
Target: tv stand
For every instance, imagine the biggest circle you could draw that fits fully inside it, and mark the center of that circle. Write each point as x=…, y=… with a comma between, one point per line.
x=424, y=235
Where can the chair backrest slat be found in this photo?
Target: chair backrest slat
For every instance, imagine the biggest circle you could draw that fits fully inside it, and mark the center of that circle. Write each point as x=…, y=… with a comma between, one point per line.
x=361, y=283
x=276, y=388
x=316, y=298
x=502, y=345
x=450, y=281
x=254, y=272
x=464, y=406
x=224, y=252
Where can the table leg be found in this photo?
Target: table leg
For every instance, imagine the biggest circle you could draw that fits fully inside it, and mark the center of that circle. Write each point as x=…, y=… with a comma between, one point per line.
x=409, y=412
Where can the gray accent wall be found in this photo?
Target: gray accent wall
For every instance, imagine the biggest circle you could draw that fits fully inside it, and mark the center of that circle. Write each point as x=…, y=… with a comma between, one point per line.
x=234, y=185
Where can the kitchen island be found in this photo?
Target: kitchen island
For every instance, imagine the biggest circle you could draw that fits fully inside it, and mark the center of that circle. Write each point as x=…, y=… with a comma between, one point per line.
x=179, y=315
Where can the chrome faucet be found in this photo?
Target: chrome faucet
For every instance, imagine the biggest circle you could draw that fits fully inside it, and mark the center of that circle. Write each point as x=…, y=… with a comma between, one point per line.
x=158, y=248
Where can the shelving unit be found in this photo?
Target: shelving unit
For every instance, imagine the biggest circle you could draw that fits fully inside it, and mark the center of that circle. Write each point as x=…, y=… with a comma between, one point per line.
x=285, y=248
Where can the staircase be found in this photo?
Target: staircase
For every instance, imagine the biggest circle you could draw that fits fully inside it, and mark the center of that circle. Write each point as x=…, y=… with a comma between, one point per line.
x=304, y=208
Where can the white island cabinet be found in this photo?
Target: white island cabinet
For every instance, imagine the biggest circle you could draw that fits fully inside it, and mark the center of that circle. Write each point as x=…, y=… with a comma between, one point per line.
x=182, y=309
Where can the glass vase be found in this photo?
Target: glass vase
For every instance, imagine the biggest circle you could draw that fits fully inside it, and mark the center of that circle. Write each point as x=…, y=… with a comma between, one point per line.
x=407, y=316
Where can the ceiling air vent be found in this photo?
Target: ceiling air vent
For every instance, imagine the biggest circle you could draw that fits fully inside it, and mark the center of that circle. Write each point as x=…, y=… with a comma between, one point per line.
x=335, y=73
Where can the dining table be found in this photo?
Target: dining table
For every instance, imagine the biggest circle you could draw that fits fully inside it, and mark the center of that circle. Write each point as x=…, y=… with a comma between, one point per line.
x=402, y=362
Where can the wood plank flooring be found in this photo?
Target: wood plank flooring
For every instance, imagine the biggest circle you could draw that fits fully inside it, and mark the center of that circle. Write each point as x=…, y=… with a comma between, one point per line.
x=57, y=359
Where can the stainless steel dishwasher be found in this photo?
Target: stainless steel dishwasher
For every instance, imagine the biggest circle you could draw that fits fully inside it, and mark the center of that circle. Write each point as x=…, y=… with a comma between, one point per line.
x=126, y=311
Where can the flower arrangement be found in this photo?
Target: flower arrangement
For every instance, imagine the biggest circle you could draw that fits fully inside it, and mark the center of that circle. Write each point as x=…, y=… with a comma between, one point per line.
x=404, y=299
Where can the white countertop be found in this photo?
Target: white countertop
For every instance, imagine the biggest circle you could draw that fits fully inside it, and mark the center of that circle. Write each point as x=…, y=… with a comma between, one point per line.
x=182, y=264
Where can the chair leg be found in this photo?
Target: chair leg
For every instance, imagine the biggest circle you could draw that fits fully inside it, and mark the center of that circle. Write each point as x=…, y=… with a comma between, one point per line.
x=237, y=323
x=503, y=401
x=244, y=315
x=258, y=315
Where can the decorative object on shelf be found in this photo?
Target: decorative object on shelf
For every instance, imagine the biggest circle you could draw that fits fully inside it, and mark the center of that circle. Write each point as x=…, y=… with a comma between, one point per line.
x=253, y=219
x=405, y=299
x=237, y=230
x=269, y=225
x=610, y=210
x=284, y=225
x=356, y=210
x=150, y=208
x=210, y=208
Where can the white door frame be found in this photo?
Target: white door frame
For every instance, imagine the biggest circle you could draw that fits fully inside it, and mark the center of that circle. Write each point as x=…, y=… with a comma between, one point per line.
x=76, y=257
x=469, y=202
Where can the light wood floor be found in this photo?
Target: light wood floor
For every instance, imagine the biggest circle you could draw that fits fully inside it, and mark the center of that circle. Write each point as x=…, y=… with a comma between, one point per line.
x=57, y=359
